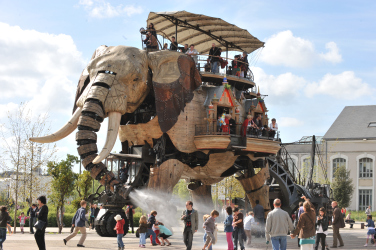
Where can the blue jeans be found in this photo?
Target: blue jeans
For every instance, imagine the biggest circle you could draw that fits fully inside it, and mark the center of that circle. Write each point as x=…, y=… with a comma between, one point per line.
x=142, y=238
x=3, y=236
x=120, y=240
x=214, y=68
x=210, y=248
x=238, y=235
x=153, y=235
x=279, y=243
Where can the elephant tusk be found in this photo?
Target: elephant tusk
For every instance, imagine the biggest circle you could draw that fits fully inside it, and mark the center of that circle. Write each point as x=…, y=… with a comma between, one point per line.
x=66, y=130
x=113, y=128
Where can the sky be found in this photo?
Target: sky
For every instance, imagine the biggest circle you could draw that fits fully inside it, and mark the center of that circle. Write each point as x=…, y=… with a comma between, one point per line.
x=319, y=56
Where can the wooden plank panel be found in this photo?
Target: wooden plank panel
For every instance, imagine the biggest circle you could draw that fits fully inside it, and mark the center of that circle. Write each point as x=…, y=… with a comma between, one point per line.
x=212, y=141
x=264, y=146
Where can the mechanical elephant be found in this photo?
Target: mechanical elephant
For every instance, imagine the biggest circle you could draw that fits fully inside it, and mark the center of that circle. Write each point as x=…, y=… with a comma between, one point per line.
x=116, y=81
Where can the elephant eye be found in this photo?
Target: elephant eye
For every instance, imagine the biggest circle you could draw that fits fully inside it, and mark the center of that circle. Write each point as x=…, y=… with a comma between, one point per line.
x=136, y=79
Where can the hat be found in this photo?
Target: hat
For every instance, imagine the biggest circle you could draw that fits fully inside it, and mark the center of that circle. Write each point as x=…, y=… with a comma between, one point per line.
x=118, y=217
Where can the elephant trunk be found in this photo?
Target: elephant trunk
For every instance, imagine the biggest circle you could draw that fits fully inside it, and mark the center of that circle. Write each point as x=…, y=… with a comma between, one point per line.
x=92, y=116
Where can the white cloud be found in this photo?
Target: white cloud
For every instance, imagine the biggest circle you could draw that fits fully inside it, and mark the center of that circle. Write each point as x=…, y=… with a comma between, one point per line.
x=8, y=107
x=285, y=49
x=289, y=122
x=103, y=9
x=333, y=54
x=29, y=58
x=342, y=86
x=280, y=89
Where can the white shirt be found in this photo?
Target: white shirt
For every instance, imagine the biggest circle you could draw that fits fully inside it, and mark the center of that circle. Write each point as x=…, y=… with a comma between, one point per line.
x=320, y=231
x=193, y=53
x=275, y=128
x=248, y=221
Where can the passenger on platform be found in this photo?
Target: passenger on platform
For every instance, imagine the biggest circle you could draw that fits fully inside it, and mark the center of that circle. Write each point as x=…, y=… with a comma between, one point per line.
x=185, y=49
x=247, y=126
x=229, y=71
x=150, y=41
x=236, y=66
x=173, y=44
x=165, y=46
x=273, y=128
x=192, y=52
x=123, y=173
x=246, y=64
x=152, y=29
x=214, y=54
x=232, y=124
x=219, y=129
x=225, y=125
x=257, y=121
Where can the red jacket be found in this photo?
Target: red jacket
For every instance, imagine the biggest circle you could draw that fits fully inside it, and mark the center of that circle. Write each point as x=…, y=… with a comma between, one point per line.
x=120, y=226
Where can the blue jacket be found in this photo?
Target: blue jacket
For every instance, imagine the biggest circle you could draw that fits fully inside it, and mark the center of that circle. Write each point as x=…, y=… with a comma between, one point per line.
x=79, y=218
x=370, y=223
x=228, y=224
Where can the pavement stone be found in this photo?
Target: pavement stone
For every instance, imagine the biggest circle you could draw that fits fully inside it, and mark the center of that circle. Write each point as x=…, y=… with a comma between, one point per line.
x=353, y=238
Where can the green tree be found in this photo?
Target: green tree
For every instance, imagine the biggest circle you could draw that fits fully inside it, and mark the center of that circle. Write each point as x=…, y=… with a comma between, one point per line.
x=63, y=179
x=343, y=187
x=84, y=184
x=181, y=190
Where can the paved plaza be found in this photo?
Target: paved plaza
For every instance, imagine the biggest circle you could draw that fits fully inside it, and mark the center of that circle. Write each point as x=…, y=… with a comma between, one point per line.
x=353, y=238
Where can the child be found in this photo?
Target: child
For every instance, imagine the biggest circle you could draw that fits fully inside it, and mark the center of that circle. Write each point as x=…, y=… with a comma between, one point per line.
x=156, y=231
x=119, y=227
x=209, y=226
x=371, y=229
x=164, y=233
x=229, y=229
x=321, y=229
x=151, y=222
x=205, y=217
x=143, y=228
x=22, y=219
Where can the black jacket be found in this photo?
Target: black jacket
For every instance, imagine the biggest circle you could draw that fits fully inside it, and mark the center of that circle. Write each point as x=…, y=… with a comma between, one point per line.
x=4, y=218
x=323, y=222
x=151, y=221
x=214, y=54
x=173, y=45
x=96, y=211
x=43, y=214
x=32, y=213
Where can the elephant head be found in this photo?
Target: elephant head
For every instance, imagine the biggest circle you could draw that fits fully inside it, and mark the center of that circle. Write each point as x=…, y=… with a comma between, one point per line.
x=115, y=82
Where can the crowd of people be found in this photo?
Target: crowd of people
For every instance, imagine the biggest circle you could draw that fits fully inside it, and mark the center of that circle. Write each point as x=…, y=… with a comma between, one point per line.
x=239, y=65
x=251, y=126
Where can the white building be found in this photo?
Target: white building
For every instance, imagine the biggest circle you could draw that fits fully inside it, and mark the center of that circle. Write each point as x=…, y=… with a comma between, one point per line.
x=349, y=142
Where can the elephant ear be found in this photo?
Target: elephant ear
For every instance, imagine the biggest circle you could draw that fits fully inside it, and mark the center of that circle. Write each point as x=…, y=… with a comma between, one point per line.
x=84, y=78
x=172, y=96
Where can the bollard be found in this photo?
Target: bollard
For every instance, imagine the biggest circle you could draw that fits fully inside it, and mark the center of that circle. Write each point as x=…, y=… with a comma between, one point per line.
x=361, y=225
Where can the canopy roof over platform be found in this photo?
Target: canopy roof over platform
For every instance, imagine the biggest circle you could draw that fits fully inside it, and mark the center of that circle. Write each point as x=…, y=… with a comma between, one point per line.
x=202, y=31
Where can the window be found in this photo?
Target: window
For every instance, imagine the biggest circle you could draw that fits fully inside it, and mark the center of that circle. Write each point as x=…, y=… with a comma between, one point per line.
x=365, y=198
x=292, y=165
x=365, y=168
x=306, y=167
x=372, y=124
x=338, y=162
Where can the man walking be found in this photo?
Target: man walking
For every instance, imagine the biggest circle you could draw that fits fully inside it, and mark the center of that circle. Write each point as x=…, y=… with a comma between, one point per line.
x=258, y=210
x=278, y=225
x=32, y=212
x=238, y=233
x=190, y=218
x=78, y=221
x=337, y=224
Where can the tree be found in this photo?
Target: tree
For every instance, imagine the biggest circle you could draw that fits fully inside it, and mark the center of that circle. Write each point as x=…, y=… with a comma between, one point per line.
x=83, y=187
x=19, y=158
x=63, y=179
x=343, y=187
x=229, y=188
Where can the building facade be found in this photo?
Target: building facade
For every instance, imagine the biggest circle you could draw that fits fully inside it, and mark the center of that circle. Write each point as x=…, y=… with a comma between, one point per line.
x=349, y=142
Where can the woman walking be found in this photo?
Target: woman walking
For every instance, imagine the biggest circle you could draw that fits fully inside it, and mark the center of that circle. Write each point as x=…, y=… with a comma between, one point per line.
x=306, y=226
x=229, y=229
x=321, y=229
x=4, y=217
x=42, y=215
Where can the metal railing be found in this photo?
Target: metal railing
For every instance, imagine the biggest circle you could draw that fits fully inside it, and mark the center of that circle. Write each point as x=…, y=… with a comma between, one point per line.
x=289, y=165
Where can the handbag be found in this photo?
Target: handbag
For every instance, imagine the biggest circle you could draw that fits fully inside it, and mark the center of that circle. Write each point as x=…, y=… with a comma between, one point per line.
x=39, y=224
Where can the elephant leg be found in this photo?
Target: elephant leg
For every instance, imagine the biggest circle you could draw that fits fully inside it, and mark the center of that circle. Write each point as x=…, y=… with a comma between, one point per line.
x=202, y=198
x=256, y=190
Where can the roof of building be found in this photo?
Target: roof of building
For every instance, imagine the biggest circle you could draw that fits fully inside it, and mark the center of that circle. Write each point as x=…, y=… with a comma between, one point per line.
x=354, y=123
